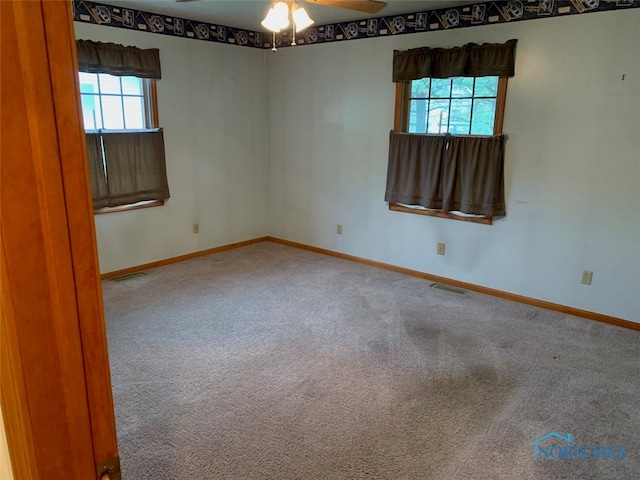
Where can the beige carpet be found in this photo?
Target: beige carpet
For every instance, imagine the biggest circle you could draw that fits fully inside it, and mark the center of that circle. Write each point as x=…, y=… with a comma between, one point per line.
x=270, y=362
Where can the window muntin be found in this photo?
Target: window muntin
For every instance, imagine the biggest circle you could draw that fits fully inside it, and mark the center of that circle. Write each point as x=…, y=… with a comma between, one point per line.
x=114, y=102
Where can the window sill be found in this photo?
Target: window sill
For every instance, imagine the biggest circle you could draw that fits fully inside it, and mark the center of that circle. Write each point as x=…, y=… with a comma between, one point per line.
x=133, y=206
x=396, y=207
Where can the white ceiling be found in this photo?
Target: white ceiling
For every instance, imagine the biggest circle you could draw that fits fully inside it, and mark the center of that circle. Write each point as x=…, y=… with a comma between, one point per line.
x=248, y=14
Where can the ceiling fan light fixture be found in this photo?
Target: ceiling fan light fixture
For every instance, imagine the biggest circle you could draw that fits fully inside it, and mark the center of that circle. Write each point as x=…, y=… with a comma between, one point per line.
x=269, y=22
x=301, y=18
x=277, y=17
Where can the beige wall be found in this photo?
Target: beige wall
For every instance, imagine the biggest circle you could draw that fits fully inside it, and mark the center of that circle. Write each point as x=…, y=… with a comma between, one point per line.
x=572, y=161
x=572, y=165
x=211, y=102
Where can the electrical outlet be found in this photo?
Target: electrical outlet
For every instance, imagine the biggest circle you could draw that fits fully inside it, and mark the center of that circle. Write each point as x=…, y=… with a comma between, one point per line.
x=339, y=229
x=440, y=248
x=587, y=276
x=196, y=228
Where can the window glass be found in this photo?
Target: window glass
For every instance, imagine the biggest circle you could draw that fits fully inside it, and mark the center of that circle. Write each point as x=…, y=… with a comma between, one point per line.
x=486, y=87
x=460, y=106
x=88, y=83
x=438, y=116
x=131, y=86
x=112, y=114
x=133, y=112
x=420, y=88
x=91, y=113
x=462, y=87
x=440, y=88
x=460, y=116
x=484, y=111
x=109, y=84
x=113, y=103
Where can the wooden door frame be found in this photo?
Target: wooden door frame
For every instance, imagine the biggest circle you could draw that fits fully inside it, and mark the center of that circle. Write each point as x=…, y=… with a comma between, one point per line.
x=55, y=383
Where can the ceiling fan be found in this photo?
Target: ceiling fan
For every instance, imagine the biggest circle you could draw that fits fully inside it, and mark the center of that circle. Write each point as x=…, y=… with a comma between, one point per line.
x=285, y=13
x=366, y=6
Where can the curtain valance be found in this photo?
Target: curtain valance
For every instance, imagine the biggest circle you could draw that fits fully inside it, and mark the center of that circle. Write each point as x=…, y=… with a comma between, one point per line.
x=98, y=57
x=470, y=60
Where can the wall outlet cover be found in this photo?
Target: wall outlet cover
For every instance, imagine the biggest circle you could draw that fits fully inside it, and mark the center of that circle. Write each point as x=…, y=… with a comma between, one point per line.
x=587, y=277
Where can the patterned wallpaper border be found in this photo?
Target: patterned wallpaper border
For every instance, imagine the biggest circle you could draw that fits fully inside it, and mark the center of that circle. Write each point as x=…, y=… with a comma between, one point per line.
x=132, y=19
x=472, y=15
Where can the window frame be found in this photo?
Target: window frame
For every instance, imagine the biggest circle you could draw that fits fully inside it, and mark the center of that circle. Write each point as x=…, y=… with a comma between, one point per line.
x=152, y=120
x=401, y=123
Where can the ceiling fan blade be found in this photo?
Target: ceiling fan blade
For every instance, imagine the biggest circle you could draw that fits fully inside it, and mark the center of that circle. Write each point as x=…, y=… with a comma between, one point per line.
x=367, y=6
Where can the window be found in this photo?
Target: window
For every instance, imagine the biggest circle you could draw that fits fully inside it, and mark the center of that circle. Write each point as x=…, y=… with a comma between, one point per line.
x=125, y=146
x=458, y=105
x=446, y=152
x=117, y=103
